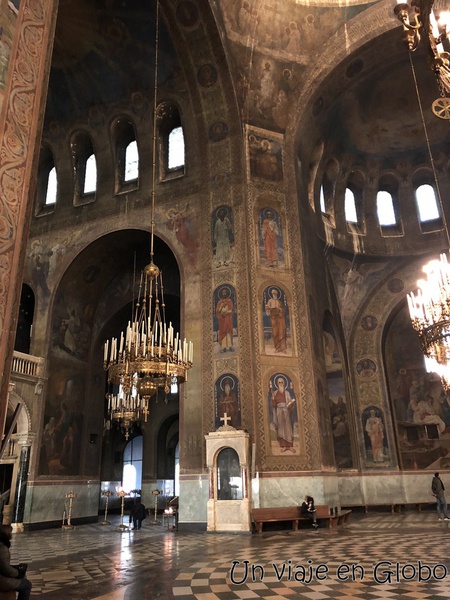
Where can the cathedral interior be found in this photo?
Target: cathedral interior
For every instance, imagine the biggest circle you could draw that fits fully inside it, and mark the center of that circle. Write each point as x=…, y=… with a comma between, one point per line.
x=300, y=179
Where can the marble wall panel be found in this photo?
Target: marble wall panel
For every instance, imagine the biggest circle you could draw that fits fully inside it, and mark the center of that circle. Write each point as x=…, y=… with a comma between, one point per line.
x=195, y=494
x=48, y=503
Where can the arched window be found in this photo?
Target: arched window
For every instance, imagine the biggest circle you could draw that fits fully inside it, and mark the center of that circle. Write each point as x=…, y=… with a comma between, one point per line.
x=90, y=175
x=131, y=161
x=427, y=203
x=132, y=464
x=351, y=215
x=25, y=320
x=175, y=148
x=322, y=200
x=52, y=188
x=126, y=155
x=385, y=209
x=85, y=168
x=47, y=183
x=171, y=142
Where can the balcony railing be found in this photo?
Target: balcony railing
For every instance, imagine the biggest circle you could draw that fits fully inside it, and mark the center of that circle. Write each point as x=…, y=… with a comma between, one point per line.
x=27, y=365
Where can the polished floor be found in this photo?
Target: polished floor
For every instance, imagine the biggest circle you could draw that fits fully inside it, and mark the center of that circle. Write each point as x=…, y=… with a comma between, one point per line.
x=376, y=556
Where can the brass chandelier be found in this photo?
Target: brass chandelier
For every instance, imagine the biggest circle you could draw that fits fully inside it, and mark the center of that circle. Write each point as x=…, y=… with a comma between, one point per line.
x=425, y=21
x=147, y=357
x=429, y=309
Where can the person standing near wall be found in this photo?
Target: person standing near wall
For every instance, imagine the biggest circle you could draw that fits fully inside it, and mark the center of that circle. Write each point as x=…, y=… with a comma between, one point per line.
x=437, y=489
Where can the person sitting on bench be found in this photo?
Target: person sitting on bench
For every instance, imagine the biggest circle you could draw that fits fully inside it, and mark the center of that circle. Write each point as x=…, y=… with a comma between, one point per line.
x=12, y=578
x=309, y=511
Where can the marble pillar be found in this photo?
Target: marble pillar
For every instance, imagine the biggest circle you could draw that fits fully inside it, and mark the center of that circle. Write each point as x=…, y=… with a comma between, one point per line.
x=21, y=121
x=21, y=484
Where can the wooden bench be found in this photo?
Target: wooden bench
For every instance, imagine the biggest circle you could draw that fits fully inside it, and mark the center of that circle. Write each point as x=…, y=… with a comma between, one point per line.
x=394, y=506
x=279, y=514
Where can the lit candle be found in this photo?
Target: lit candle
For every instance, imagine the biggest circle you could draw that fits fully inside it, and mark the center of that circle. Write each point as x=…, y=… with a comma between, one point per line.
x=105, y=353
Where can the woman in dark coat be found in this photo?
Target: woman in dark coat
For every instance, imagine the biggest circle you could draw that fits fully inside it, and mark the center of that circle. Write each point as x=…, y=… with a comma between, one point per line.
x=309, y=510
x=137, y=513
x=12, y=579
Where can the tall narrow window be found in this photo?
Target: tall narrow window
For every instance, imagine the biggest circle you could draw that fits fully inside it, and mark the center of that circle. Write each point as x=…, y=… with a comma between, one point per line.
x=132, y=465
x=126, y=151
x=427, y=203
x=90, y=175
x=385, y=209
x=84, y=166
x=322, y=200
x=52, y=187
x=351, y=215
x=131, y=161
x=176, y=148
x=47, y=183
x=171, y=143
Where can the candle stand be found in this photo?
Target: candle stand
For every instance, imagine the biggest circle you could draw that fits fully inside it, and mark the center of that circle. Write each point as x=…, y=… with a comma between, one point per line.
x=106, y=494
x=69, y=496
x=122, y=493
x=155, y=520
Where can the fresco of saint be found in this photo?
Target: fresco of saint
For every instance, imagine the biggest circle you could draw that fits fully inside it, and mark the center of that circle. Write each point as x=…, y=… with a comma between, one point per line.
x=276, y=321
x=283, y=415
x=271, y=241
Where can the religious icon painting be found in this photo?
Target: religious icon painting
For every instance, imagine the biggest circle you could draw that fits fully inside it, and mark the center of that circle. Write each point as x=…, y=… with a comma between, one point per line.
x=375, y=435
x=270, y=238
x=366, y=368
x=283, y=416
x=340, y=423
x=369, y=322
x=187, y=13
x=265, y=157
x=222, y=236
x=227, y=401
x=276, y=322
x=225, y=332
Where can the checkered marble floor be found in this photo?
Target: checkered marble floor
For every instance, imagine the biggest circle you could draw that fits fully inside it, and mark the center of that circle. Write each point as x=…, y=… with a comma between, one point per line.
x=376, y=556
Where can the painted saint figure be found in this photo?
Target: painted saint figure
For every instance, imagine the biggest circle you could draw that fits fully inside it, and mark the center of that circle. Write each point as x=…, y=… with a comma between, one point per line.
x=222, y=236
x=224, y=314
x=283, y=406
x=228, y=402
x=276, y=311
x=269, y=233
x=375, y=431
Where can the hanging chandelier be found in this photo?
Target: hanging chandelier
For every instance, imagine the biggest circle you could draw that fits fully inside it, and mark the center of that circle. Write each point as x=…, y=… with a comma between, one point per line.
x=429, y=309
x=147, y=357
x=424, y=20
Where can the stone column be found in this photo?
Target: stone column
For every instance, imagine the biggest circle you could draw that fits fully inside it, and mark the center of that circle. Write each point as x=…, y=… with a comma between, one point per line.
x=21, y=121
x=21, y=483
x=245, y=481
x=211, y=483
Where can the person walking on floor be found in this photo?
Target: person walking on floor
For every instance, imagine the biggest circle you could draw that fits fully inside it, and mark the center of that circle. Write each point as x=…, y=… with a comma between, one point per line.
x=437, y=489
x=309, y=511
x=137, y=513
x=12, y=578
